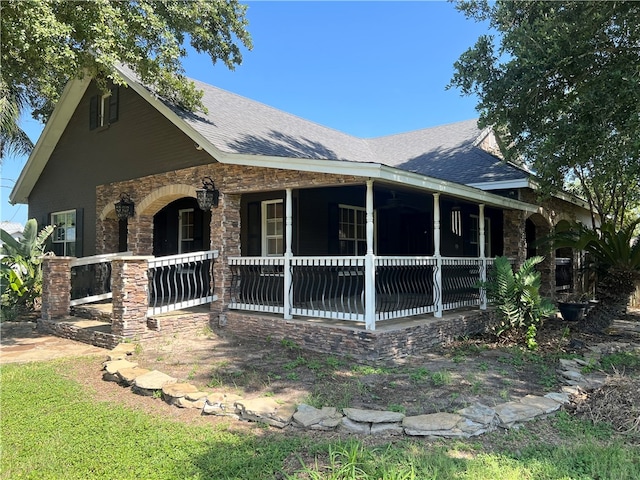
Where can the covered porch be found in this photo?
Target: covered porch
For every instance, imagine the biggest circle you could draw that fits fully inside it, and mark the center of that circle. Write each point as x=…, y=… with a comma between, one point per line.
x=413, y=277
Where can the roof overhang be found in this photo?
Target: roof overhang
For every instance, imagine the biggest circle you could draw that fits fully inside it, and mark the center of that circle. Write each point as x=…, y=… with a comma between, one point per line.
x=76, y=88
x=502, y=184
x=53, y=130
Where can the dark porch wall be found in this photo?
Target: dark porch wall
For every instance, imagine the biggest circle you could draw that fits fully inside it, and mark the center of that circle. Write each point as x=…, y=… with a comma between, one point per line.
x=141, y=142
x=453, y=245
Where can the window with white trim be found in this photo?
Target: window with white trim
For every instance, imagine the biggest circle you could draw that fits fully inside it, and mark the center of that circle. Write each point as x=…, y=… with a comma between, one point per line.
x=272, y=228
x=475, y=235
x=352, y=230
x=185, y=230
x=64, y=233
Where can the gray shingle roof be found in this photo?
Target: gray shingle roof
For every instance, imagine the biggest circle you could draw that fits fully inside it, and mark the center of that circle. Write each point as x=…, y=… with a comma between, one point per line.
x=236, y=124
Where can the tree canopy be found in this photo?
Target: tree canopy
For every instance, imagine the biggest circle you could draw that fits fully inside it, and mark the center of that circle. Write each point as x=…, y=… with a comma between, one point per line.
x=45, y=43
x=560, y=84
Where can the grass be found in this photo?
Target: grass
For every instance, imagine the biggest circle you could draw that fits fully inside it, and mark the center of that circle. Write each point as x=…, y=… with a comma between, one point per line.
x=51, y=429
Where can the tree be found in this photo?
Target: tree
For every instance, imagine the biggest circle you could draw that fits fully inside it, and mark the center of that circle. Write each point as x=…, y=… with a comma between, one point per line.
x=13, y=140
x=561, y=87
x=614, y=256
x=45, y=43
x=21, y=268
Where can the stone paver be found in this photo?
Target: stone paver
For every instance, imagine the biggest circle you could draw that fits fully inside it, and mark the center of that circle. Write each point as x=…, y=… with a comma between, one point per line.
x=21, y=343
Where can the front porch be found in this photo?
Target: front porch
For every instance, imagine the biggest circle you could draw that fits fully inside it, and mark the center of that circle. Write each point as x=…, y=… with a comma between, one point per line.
x=417, y=302
x=391, y=341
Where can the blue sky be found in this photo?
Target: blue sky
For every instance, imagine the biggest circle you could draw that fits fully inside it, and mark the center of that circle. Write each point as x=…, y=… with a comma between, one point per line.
x=365, y=68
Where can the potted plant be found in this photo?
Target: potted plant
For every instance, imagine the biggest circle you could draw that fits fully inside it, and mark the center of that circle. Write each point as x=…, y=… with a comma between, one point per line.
x=573, y=306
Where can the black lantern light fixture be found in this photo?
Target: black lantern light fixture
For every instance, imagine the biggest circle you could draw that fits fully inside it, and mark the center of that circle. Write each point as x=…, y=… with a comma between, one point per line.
x=125, y=207
x=208, y=195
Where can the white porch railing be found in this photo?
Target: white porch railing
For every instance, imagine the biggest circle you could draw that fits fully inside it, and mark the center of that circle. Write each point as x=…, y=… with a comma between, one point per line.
x=335, y=287
x=91, y=278
x=181, y=281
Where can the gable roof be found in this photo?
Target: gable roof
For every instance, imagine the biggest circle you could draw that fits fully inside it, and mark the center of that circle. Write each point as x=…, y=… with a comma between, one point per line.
x=238, y=130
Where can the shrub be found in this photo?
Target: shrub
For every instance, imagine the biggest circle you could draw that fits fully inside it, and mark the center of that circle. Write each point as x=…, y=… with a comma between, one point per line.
x=517, y=299
x=21, y=269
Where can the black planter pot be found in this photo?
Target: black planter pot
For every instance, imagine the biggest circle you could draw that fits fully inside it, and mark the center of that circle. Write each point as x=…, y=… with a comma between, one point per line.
x=572, y=312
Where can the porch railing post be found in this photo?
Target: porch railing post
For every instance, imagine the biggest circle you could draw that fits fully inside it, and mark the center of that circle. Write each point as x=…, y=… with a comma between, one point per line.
x=56, y=287
x=130, y=301
x=369, y=265
x=288, y=254
x=437, y=274
x=483, y=258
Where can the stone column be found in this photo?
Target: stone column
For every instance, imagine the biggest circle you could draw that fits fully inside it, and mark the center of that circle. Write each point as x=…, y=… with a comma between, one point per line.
x=225, y=237
x=56, y=287
x=140, y=235
x=515, y=240
x=130, y=288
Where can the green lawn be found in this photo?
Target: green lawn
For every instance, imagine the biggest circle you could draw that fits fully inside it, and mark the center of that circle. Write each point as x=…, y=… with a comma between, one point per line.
x=51, y=430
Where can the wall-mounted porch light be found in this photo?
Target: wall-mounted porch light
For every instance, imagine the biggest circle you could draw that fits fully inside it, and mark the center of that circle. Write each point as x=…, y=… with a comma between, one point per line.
x=124, y=207
x=208, y=195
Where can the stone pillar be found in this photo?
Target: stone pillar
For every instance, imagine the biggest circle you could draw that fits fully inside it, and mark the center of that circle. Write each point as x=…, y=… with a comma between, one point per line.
x=515, y=240
x=130, y=288
x=140, y=235
x=56, y=287
x=107, y=236
x=225, y=237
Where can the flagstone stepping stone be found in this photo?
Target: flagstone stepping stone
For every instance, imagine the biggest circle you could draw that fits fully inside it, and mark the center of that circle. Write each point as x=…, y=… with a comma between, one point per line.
x=349, y=426
x=307, y=416
x=115, y=365
x=479, y=413
x=171, y=392
x=151, y=382
x=393, y=428
x=265, y=410
x=128, y=375
x=221, y=404
x=559, y=397
x=511, y=413
x=372, y=416
x=547, y=405
x=432, y=424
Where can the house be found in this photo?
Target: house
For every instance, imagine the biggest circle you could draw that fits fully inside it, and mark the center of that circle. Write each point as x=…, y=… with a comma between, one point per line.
x=307, y=223
x=14, y=229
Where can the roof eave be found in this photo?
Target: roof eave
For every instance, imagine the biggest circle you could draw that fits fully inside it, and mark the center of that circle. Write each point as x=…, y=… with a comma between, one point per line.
x=381, y=172
x=53, y=130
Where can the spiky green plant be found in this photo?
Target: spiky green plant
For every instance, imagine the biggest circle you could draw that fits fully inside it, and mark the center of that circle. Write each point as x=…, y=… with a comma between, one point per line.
x=516, y=297
x=614, y=256
x=21, y=268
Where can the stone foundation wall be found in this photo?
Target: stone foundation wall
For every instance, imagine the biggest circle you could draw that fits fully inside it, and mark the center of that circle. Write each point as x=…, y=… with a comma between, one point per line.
x=183, y=322
x=361, y=345
x=64, y=329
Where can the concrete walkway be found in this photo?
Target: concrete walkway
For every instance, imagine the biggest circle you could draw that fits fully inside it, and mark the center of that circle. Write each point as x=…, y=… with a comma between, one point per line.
x=20, y=343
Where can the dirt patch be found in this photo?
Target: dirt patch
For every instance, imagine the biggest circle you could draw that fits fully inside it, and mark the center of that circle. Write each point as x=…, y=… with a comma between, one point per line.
x=449, y=378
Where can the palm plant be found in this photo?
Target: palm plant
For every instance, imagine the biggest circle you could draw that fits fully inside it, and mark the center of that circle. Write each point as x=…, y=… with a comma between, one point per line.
x=21, y=268
x=516, y=296
x=614, y=256
x=13, y=140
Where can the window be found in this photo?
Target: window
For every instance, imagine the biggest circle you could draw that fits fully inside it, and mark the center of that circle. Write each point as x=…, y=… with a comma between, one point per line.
x=64, y=233
x=456, y=221
x=272, y=228
x=475, y=234
x=103, y=109
x=185, y=230
x=352, y=231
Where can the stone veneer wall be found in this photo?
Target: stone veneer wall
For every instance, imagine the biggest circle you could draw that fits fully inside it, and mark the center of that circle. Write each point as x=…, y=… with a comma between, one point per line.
x=231, y=180
x=56, y=287
x=382, y=346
